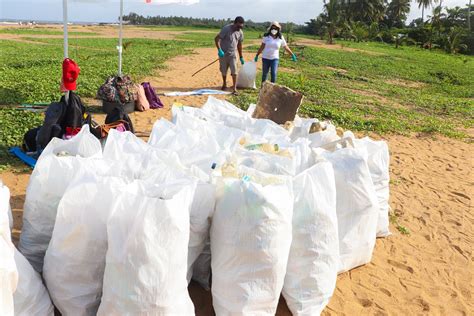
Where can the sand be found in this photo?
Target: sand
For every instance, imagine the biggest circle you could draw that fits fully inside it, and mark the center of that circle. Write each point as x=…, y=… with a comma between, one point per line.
x=430, y=271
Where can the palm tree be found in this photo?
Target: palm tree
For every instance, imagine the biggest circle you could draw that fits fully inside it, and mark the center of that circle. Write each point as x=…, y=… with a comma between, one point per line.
x=363, y=10
x=437, y=19
x=332, y=14
x=453, y=40
x=397, y=11
x=424, y=4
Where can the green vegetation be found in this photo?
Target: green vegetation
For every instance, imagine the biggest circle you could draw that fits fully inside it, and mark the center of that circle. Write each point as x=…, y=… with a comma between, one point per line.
x=202, y=23
x=375, y=87
x=376, y=20
x=393, y=218
x=32, y=73
x=13, y=125
x=362, y=86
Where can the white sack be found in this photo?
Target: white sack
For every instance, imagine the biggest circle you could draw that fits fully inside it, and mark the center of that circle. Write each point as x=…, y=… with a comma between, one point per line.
x=202, y=208
x=8, y=270
x=146, y=263
x=322, y=138
x=231, y=116
x=314, y=256
x=46, y=187
x=128, y=151
x=75, y=260
x=31, y=297
x=250, y=243
x=357, y=206
x=266, y=162
x=247, y=75
x=378, y=160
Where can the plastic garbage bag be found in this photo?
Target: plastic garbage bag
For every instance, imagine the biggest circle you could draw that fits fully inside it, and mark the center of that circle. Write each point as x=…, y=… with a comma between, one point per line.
x=8, y=269
x=54, y=170
x=357, y=206
x=202, y=207
x=378, y=160
x=247, y=75
x=229, y=115
x=127, y=150
x=301, y=127
x=31, y=296
x=314, y=256
x=5, y=195
x=146, y=263
x=75, y=260
x=324, y=137
x=250, y=243
x=266, y=162
x=218, y=108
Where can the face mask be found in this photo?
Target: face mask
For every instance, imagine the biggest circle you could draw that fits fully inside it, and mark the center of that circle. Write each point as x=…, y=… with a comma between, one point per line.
x=274, y=32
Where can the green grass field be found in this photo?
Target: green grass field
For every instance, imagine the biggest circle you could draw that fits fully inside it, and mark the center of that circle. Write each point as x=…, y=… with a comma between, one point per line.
x=360, y=86
x=375, y=87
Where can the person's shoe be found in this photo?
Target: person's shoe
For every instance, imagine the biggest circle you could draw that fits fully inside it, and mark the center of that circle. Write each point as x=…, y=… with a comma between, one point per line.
x=224, y=88
x=235, y=92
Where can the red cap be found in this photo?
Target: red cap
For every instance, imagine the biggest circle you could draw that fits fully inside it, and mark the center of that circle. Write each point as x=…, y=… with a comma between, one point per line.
x=70, y=74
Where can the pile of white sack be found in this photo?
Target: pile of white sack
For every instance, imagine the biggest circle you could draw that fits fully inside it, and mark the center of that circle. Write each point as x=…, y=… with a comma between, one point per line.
x=122, y=229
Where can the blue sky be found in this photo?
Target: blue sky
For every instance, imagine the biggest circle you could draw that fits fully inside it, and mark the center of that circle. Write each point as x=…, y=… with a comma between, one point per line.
x=107, y=10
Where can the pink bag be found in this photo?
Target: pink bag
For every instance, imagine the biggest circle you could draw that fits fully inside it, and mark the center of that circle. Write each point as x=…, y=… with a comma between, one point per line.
x=142, y=103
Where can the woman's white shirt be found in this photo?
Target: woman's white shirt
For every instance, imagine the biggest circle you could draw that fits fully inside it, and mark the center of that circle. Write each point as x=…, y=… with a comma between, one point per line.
x=272, y=47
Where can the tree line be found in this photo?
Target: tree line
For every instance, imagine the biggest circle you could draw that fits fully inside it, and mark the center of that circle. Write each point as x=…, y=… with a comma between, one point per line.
x=136, y=19
x=376, y=20
x=364, y=20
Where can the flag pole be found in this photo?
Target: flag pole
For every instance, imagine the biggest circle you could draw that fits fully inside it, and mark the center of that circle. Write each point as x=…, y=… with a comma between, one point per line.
x=119, y=47
x=66, y=46
x=66, y=52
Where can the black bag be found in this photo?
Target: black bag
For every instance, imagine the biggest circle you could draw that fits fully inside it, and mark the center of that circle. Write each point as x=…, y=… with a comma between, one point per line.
x=118, y=114
x=58, y=117
x=29, y=140
x=74, y=115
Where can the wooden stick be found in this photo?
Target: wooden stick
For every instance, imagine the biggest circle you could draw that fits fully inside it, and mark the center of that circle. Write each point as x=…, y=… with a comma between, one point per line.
x=204, y=67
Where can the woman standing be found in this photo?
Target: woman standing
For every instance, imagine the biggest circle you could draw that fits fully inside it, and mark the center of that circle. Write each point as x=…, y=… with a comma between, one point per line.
x=272, y=41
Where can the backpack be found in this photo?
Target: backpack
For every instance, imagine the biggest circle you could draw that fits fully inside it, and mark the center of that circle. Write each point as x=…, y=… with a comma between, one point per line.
x=151, y=96
x=126, y=90
x=118, y=115
x=107, y=91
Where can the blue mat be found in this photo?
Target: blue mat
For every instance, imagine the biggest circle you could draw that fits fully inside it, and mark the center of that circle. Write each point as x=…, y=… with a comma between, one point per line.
x=30, y=161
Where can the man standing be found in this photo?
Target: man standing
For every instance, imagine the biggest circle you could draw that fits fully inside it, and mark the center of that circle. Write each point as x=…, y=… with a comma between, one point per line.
x=228, y=41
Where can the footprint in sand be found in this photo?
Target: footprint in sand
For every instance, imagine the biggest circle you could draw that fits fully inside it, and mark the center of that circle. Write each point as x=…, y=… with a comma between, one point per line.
x=461, y=195
x=386, y=292
x=400, y=265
